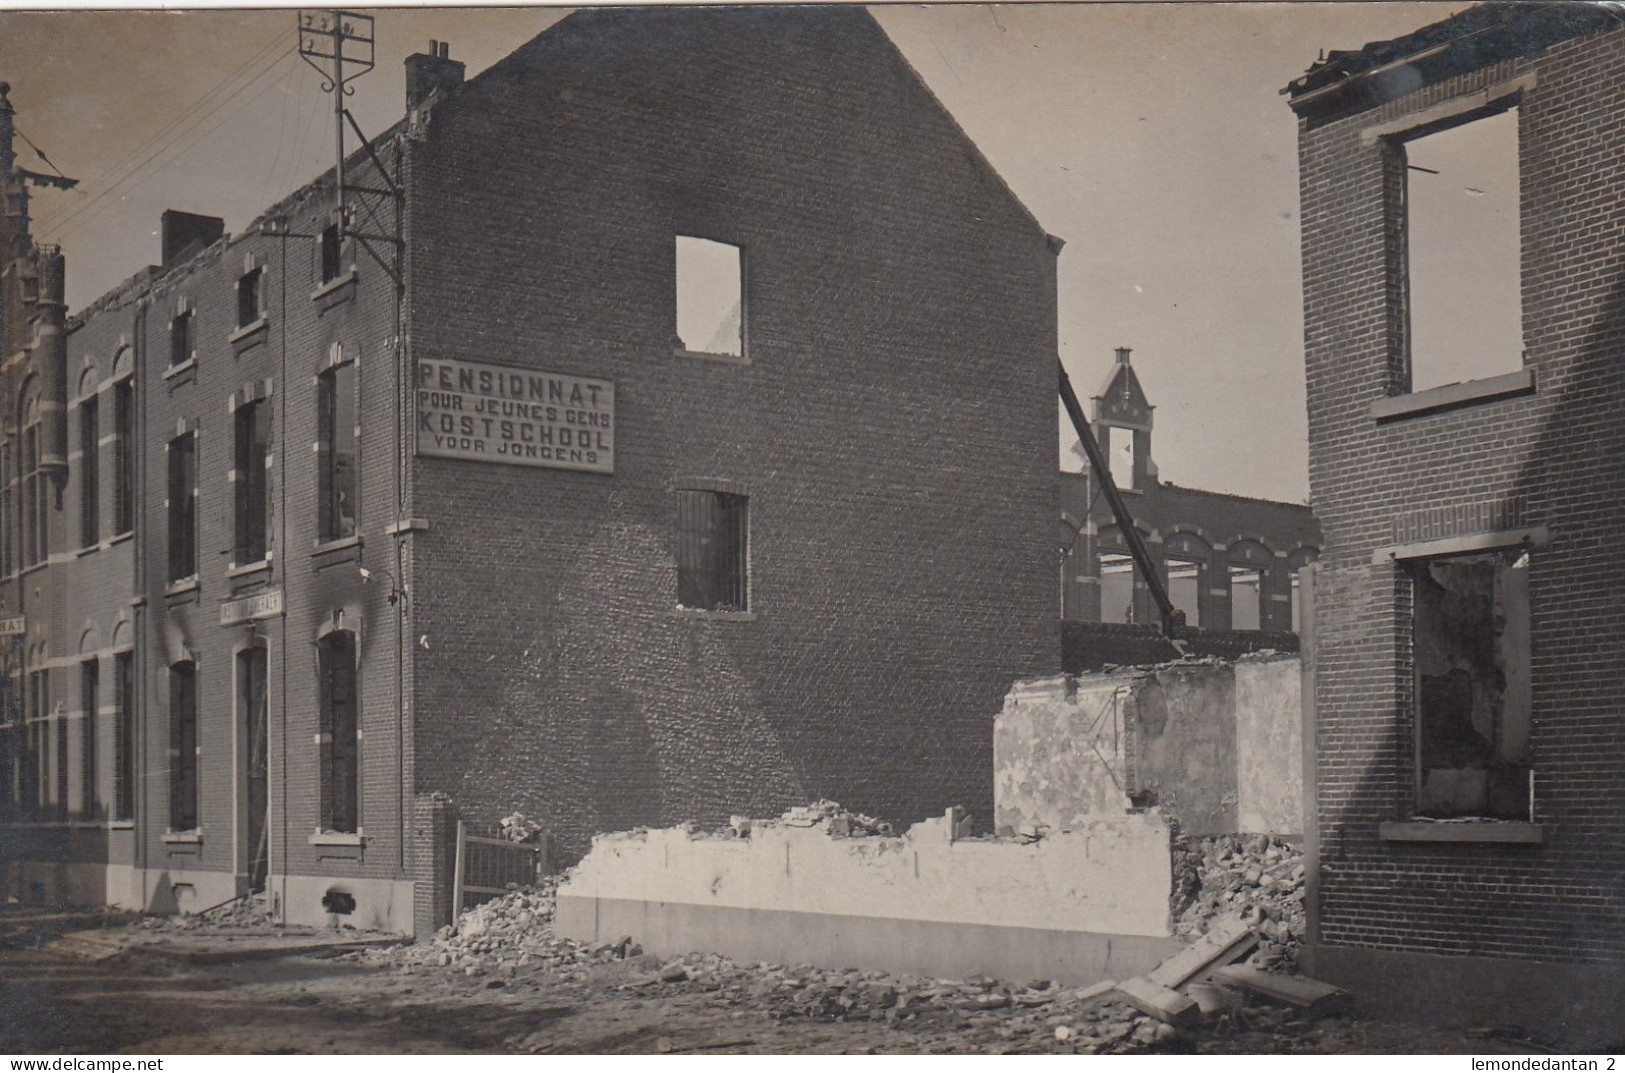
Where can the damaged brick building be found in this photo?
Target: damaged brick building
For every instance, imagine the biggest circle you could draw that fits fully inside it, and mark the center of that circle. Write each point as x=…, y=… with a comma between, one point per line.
x=604, y=497
x=1465, y=184
x=1229, y=562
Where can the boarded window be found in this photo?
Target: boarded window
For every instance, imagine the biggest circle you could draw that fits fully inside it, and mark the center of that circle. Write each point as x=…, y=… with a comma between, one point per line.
x=89, y=472
x=336, y=447
x=340, y=733
x=183, y=747
x=89, y=689
x=1472, y=685
x=712, y=550
x=1463, y=252
x=252, y=448
x=710, y=297
x=183, y=507
x=181, y=344
x=124, y=738
x=248, y=297
x=1116, y=588
x=124, y=456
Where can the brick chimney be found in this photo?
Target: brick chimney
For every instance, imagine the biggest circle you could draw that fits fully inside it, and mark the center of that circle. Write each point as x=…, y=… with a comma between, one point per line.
x=432, y=73
x=187, y=233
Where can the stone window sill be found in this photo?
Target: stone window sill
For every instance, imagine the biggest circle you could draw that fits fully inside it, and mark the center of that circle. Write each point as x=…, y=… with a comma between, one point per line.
x=128, y=534
x=707, y=355
x=1504, y=831
x=338, y=838
x=181, y=369
x=720, y=616
x=248, y=331
x=183, y=838
x=1451, y=396
x=334, y=285
x=121, y=825
x=324, y=547
x=235, y=571
x=182, y=587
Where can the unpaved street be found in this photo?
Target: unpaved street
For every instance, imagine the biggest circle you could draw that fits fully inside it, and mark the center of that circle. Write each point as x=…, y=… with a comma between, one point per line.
x=130, y=989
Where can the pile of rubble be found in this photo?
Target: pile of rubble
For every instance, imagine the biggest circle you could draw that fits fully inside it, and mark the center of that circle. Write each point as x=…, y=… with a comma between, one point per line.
x=249, y=912
x=1254, y=877
x=840, y=822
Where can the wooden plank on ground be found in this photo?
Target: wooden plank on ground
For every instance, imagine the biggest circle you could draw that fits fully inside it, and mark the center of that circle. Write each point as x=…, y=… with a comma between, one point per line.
x=1226, y=941
x=1158, y=1001
x=1298, y=991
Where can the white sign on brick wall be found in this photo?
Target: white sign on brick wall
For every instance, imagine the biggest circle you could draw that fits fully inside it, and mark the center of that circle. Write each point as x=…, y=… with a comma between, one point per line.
x=526, y=417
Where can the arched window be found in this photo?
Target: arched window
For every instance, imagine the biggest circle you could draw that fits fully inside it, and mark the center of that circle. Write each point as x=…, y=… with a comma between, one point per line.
x=340, y=732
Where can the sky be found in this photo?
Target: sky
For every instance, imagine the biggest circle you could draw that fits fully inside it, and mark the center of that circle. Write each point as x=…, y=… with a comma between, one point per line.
x=1152, y=137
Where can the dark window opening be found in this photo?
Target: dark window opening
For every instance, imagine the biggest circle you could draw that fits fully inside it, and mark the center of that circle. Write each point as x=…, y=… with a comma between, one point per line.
x=253, y=445
x=34, y=502
x=332, y=246
x=1463, y=252
x=712, y=551
x=183, y=507
x=337, y=450
x=1471, y=650
x=59, y=761
x=7, y=509
x=124, y=738
x=340, y=733
x=181, y=345
x=253, y=713
x=248, y=297
x=89, y=683
x=89, y=475
x=183, y=747
x=124, y=456
x=710, y=297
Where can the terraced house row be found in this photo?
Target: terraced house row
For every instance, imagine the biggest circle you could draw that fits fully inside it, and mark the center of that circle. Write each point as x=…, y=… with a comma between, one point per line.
x=293, y=580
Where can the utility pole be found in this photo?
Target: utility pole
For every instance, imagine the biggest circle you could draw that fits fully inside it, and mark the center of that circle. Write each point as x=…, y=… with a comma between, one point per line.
x=339, y=45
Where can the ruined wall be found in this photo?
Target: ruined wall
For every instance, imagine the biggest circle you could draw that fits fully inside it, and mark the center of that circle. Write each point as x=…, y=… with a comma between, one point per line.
x=1074, y=905
x=897, y=385
x=1214, y=745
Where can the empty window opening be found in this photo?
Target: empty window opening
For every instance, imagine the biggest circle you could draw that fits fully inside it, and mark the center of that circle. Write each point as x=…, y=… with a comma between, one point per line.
x=7, y=509
x=124, y=738
x=340, y=733
x=1185, y=589
x=1462, y=252
x=1246, y=598
x=248, y=296
x=89, y=475
x=252, y=449
x=183, y=507
x=336, y=447
x=252, y=712
x=1116, y=588
x=89, y=684
x=332, y=246
x=710, y=297
x=181, y=344
x=712, y=551
x=183, y=747
x=1472, y=685
x=1122, y=457
x=124, y=456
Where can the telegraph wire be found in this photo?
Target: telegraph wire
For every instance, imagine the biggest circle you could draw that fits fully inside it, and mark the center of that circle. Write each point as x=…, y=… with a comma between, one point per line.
x=67, y=226
x=61, y=225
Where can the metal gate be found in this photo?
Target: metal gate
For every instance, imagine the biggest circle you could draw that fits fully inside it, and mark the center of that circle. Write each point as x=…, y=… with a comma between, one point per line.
x=487, y=867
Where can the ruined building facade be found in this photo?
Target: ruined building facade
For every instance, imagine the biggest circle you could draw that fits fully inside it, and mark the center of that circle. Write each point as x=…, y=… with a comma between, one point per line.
x=1467, y=650
x=1229, y=562
x=607, y=495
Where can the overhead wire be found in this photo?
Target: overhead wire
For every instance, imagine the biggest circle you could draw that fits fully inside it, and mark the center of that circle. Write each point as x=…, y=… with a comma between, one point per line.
x=186, y=113
x=67, y=225
x=99, y=201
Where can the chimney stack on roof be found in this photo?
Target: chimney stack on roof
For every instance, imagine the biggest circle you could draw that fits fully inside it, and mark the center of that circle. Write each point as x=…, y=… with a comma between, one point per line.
x=432, y=73
x=185, y=234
